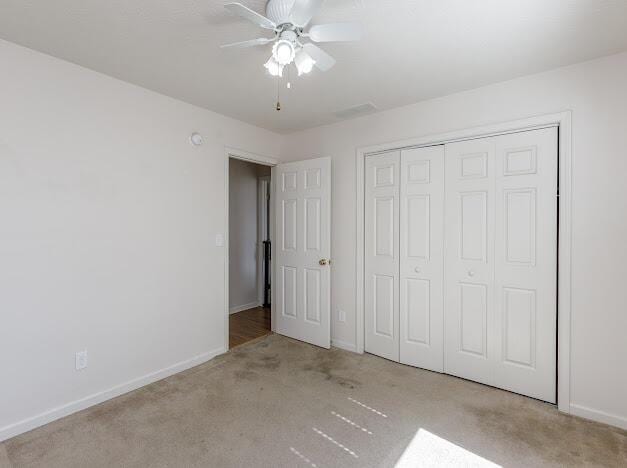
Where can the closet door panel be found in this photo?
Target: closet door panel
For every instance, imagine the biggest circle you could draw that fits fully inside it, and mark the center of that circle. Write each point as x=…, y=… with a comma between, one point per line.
x=469, y=263
x=381, y=221
x=421, y=257
x=526, y=262
x=501, y=261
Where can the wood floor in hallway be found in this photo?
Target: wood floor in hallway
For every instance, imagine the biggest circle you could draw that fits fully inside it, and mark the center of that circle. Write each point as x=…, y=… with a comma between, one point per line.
x=248, y=325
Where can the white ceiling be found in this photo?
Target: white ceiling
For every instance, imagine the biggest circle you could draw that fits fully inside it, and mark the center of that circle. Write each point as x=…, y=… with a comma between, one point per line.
x=412, y=50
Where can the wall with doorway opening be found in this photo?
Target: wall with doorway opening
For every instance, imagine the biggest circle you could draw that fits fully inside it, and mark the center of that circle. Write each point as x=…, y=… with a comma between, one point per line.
x=243, y=233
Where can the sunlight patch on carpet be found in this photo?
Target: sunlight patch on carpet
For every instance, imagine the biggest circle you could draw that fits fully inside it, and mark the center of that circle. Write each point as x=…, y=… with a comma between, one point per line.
x=427, y=450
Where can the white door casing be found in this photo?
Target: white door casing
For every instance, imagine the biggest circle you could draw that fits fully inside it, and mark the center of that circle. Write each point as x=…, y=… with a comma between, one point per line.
x=302, y=284
x=421, y=257
x=501, y=260
x=263, y=216
x=381, y=259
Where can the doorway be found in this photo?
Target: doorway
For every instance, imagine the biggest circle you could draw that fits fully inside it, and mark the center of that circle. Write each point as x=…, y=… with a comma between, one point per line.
x=296, y=280
x=249, y=303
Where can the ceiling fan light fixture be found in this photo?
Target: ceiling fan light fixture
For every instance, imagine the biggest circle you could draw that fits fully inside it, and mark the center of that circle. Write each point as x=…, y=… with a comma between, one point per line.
x=289, y=20
x=274, y=67
x=304, y=63
x=283, y=52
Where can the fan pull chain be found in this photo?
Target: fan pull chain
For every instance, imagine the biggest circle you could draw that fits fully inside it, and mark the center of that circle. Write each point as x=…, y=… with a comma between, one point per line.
x=278, y=92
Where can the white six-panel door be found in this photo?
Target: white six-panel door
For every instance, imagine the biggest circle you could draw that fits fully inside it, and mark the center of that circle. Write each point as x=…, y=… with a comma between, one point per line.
x=461, y=259
x=501, y=257
x=301, y=251
x=421, y=257
x=381, y=266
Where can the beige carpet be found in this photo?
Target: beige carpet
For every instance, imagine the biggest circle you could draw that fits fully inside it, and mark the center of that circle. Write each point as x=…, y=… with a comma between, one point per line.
x=279, y=402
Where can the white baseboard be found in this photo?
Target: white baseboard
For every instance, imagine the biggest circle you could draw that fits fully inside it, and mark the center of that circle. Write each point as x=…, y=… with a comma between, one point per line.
x=251, y=305
x=344, y=345
x=59, y=412
x=599, y=416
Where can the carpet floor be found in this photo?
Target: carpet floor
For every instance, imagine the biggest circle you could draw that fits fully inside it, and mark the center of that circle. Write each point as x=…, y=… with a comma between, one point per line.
x=278, y=402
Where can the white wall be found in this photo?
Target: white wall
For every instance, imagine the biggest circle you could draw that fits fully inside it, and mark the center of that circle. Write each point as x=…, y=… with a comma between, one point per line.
x=596, y=92
x=243, y=233
x=108, y=219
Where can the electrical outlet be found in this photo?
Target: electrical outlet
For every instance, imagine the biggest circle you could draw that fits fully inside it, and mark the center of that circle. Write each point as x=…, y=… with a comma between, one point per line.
x=81, y=359
x=341, y=315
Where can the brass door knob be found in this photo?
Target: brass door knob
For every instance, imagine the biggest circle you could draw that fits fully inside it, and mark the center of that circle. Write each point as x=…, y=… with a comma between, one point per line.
x=324, y=262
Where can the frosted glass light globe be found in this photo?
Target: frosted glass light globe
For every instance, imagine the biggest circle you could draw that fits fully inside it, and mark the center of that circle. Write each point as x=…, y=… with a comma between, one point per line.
x=283, y=52
x=273, y=67
x=304, y=63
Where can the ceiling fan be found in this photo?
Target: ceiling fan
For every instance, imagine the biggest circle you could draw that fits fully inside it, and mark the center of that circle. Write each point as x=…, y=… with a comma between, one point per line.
x=288, y=19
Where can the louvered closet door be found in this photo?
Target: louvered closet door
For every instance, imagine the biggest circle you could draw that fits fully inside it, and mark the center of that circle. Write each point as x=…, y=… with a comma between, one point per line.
x=421, y=257
x=501, y=255
x=381, y=255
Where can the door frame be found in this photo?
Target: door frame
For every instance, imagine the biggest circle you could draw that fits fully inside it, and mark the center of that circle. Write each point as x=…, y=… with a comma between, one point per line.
x=262, y=207
x=561, y=120
x=234, y=153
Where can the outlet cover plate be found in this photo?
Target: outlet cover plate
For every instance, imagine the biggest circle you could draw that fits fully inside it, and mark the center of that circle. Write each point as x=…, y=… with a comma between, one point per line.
x=81, y=359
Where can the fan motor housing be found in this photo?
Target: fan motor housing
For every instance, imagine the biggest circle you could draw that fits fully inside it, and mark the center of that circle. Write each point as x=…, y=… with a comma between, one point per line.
x=278, y=11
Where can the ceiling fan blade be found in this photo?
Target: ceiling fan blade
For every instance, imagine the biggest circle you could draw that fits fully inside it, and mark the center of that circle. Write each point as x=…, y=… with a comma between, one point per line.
x=250, y=15
x=250, y=43
x=303, y=10
x=335, y=32
x=323, y=60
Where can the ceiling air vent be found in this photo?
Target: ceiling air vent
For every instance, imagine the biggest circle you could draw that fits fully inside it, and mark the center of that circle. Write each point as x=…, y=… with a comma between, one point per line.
x=356, y=111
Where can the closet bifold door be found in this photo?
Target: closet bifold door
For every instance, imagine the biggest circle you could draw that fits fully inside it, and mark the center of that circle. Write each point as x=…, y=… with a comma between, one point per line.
x=525, y=278
x=381, y=255
x=421, y=257
x=501, y=261
x=469, y=265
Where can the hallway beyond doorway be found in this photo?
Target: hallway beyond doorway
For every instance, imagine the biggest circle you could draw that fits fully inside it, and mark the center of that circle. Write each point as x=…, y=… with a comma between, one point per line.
x=248, y=325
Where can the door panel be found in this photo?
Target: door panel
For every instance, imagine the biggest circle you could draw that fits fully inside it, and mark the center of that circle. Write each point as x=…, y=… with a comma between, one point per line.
x=473, y=223
x=421, y=257
x=526, y=262
x=469, y=263
x=519, y=213
x=501, y=261
x=418, y=226
x=381, y=267
x=303, y=231
x=384, y=309
x=418, y=297
x=519, y=326
x=384, y=231
x=473, y=314
x=312, y=295
x=312, y=224
x=288, y=221
x=288, y=287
